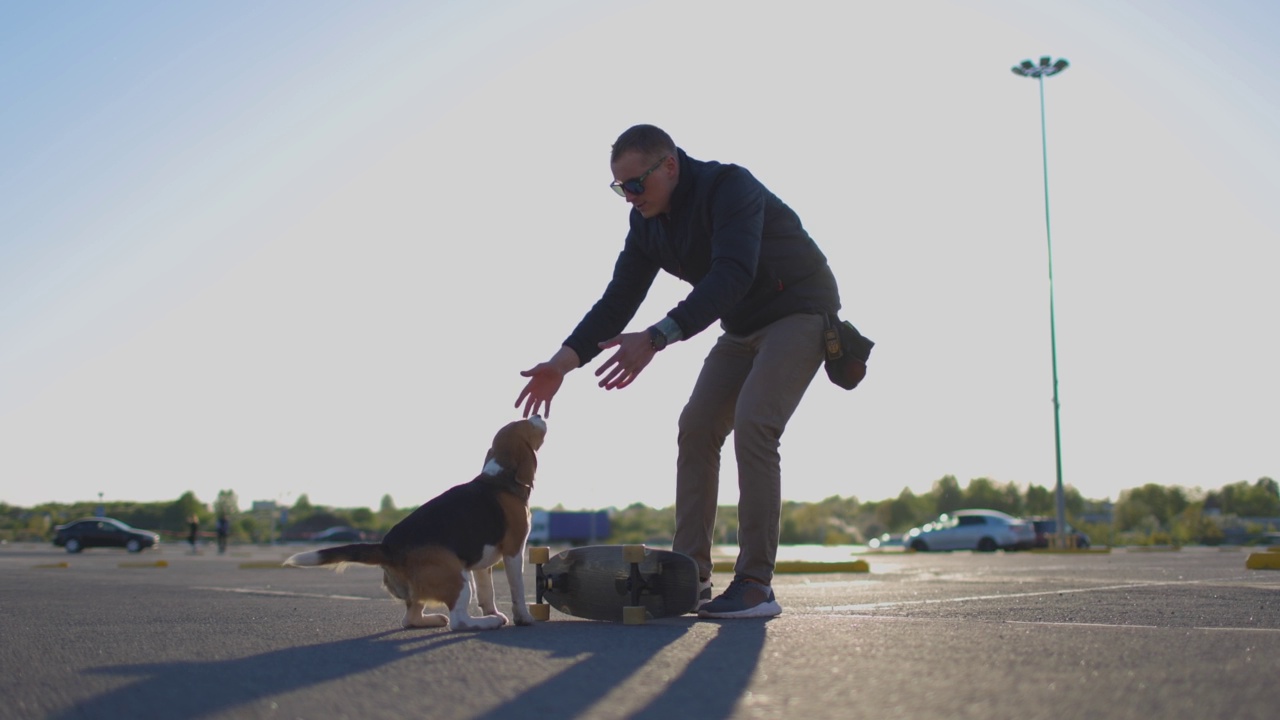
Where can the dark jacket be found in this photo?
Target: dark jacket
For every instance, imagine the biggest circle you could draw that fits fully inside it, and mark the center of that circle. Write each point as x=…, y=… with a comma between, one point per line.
x=745, y=252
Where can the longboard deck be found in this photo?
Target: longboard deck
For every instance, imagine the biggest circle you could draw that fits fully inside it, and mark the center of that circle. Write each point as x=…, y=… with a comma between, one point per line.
x=595, y=582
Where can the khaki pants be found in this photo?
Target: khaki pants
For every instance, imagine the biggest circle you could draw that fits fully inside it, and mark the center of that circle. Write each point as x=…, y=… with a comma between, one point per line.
x=749, y=385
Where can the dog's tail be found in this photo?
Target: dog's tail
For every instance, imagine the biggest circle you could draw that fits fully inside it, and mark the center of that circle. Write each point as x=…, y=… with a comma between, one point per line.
x=361, y=553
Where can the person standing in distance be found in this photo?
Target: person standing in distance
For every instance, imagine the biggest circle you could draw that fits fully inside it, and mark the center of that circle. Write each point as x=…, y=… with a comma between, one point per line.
x=193, y=532
x=754, y=268
x=223, y=528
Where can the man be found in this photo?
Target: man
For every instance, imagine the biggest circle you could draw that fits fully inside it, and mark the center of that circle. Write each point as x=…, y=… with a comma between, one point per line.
x=223, y=528
x=755, y=269
x=193, y=532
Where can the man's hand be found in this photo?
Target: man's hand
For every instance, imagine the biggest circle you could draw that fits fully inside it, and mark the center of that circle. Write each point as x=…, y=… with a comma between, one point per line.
x=544, y=382
x=633, y=355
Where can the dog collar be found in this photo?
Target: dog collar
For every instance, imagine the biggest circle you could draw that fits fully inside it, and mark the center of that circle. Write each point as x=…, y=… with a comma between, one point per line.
x=507, y=480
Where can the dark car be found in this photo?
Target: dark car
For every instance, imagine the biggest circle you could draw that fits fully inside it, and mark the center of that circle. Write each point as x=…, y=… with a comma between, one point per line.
x=1046, y=528
x=340, y=533
x=103, y=532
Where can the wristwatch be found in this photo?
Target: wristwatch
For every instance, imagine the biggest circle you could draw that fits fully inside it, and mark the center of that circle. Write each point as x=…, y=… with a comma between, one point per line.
x=657, y=340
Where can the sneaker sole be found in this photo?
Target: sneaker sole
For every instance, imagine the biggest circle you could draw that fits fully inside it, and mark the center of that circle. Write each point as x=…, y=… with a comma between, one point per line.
x=763, y=610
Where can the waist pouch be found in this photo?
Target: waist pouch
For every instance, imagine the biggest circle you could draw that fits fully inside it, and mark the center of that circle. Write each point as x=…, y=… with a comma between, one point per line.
x=847, y=352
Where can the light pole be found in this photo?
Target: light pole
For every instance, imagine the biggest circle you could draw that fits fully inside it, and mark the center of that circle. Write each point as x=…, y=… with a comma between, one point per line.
x=1048, y=68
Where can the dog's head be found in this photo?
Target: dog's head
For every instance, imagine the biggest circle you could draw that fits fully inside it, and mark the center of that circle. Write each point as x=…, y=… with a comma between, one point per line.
x=515, y=449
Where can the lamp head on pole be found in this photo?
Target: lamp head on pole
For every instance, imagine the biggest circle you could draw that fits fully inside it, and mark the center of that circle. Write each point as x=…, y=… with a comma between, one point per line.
x=1046, y=68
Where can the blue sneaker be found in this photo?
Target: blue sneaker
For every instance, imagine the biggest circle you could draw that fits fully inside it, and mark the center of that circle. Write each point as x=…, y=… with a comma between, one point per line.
x=744, y=598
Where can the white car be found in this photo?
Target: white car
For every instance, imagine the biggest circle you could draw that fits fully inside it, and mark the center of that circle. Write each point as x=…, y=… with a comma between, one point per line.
x=983, y=530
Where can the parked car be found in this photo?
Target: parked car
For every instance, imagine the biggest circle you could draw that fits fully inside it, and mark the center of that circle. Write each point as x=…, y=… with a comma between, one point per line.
x=983, y=530
x=1047, y=527
x=103, y=532
x=338, y=533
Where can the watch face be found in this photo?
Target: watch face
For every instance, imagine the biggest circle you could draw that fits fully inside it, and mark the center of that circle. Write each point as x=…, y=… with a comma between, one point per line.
x=656, y=339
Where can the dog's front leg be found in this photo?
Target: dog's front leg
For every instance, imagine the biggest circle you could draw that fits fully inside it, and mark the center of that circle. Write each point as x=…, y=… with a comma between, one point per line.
x=460, y=615
x=514, y=566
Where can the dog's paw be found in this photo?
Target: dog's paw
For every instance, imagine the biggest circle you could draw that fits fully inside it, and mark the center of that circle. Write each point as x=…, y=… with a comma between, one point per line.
x=485, y=622
x=522, y=615
x=424, y=621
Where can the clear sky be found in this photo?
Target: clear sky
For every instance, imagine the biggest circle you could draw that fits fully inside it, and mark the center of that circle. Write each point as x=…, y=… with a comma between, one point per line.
x=306, y=247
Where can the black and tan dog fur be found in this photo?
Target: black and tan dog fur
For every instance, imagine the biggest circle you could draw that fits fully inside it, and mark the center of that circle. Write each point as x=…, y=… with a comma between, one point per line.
x=444, y=551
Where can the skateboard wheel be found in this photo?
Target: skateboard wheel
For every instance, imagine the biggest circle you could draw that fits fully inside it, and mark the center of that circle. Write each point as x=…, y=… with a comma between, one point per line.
x=540, y=611
x=539, y=555
x=633, y=615
x=633, y=553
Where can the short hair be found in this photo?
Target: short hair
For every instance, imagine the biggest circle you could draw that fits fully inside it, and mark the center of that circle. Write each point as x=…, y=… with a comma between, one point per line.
x=647, y=140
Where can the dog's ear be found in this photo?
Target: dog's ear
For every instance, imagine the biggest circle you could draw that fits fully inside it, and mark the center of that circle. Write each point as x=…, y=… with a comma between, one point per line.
x=526, y=462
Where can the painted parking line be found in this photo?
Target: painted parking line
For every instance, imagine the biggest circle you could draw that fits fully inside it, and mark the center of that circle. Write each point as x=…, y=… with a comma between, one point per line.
x=1242, y=629
x=802, y=567
x=281, y=593
x=1112, y=627
x=1043, y=623
x=1009, y=596
x=1109, y=626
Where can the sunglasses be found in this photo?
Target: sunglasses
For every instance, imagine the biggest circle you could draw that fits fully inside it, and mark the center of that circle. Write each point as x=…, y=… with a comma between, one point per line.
x=635, y=185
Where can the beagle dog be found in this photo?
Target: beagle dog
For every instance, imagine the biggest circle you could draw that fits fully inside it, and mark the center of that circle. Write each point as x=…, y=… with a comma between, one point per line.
x=444, y=551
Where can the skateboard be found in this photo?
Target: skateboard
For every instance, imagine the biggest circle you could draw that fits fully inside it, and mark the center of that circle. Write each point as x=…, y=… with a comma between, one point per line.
x=619, y=583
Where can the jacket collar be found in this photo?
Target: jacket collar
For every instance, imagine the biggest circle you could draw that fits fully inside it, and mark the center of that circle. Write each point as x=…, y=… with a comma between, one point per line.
x=682, y=194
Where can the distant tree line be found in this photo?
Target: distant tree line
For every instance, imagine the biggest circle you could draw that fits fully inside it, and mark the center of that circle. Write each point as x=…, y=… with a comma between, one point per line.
x=1150, y=514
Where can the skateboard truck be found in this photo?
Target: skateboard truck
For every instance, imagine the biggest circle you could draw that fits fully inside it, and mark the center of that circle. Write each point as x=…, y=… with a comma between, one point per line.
x=540, y=609
x=635, y=613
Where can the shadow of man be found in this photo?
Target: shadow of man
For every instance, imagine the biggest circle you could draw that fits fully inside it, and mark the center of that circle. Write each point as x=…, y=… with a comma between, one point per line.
x=709, y=686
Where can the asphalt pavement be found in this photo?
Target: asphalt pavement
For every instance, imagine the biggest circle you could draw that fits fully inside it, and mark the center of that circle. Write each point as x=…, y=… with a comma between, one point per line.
x=1124, y=634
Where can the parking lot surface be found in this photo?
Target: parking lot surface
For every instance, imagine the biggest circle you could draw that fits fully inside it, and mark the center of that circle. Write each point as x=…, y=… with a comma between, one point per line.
x=1125, y=634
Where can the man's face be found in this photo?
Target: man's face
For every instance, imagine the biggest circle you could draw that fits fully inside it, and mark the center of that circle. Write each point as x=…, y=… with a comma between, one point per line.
x=657, y=175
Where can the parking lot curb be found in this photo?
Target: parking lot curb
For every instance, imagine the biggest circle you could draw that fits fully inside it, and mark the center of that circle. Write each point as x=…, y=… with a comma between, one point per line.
x=63, y=564
x=799, y=566
x=1263, y=561
x=1072, y=551
x=1155, y=548
x=153, y=564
